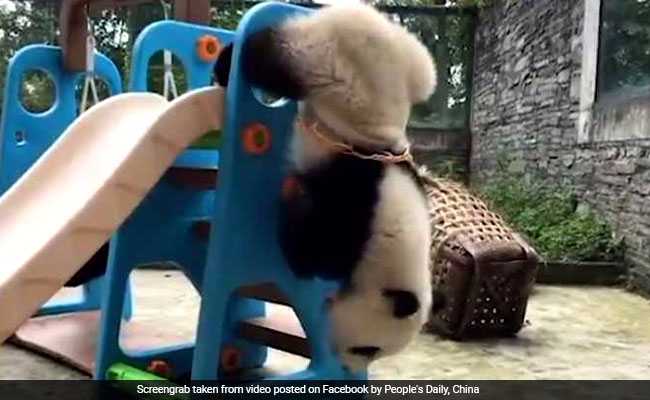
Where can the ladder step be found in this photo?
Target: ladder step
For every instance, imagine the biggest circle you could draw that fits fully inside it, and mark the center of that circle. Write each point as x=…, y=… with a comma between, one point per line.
x=265, y=292
x=200, y=179
x=280, y=330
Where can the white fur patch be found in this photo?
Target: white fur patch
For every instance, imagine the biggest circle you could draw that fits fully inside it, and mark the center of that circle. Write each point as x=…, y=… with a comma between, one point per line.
x=396, y=257
x=363, y=73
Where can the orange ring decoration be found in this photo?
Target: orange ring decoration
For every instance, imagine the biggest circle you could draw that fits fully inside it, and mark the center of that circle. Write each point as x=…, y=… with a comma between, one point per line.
x=256, y=138
x=291, y=188
x=208, y=48
x=160, y=368
x=230, y=359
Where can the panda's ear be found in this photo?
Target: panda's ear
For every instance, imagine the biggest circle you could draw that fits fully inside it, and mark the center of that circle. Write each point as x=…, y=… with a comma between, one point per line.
x=222, y=67
x=405, y=303
x=268, y=64
x=423, y=71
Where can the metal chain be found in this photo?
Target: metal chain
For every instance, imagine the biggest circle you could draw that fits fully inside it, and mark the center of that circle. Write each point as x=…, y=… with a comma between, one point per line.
x=169, y=82
x=89, y=80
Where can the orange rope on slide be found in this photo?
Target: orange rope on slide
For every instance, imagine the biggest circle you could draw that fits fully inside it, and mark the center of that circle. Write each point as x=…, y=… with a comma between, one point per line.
x=313, y=127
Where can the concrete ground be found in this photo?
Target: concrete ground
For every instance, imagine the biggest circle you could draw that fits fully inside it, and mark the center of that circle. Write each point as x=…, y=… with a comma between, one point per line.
x=573, y=333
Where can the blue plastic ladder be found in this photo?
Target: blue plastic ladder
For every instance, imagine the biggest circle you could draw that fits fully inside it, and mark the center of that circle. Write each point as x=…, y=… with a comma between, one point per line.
x=162, y=228
x=242, y=211
x=244, y=246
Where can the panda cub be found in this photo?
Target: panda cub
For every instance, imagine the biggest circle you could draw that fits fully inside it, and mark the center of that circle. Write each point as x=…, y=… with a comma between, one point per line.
x=356, y=210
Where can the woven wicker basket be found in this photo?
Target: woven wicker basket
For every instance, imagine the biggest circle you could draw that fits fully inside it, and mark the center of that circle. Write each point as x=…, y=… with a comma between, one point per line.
x=482, y=272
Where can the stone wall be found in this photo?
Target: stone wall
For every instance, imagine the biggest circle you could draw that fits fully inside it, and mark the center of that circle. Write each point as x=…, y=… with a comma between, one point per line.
x=527, y=84
x=444, y=152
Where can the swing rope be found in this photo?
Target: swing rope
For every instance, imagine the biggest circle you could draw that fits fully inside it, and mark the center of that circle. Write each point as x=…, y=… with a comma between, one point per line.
x=169, y=83
x=89, y=80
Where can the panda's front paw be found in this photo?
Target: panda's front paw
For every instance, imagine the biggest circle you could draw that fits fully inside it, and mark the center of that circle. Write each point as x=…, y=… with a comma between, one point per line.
x=222, y=66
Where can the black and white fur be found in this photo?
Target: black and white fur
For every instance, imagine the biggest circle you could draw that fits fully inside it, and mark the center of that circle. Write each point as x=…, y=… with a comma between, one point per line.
x=359, y=221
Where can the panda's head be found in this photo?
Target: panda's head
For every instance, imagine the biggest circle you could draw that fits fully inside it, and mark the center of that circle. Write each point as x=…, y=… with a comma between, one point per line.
x=350, y=67
x=371, y=324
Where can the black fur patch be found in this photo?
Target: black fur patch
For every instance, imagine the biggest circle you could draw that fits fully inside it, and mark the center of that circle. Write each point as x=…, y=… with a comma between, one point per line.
x=365, y=351
x=324, y=231
x=222, y=67
x=405, y=303
x=94, y=268
x=266, y=65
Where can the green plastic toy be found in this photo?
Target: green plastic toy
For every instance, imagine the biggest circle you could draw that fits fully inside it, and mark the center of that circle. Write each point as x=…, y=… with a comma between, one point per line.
x=123, y=376
x=123, y=372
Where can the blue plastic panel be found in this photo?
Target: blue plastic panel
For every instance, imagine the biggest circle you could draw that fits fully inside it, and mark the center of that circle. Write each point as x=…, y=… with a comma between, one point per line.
x=181, y=39
x=40, y=130
x=161, y=228
x=244, y=246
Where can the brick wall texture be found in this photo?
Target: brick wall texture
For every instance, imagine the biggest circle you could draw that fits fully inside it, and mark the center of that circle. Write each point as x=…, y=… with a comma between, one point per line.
x=526, y=92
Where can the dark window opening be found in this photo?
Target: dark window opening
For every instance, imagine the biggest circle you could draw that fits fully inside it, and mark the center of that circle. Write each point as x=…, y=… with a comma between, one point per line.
x=624, y=54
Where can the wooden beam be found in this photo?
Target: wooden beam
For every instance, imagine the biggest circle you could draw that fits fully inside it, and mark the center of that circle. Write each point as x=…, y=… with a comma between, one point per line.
x=72, y=23
x=74, y=29
x=192, y=11
x=104, y=4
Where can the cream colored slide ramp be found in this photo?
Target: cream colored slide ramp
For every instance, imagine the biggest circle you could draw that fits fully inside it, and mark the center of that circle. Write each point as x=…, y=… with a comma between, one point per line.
x=80, y=191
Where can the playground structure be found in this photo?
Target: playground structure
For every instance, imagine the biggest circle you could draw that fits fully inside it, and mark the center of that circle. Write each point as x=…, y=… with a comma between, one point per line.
x=21, y=147
x=129, y=176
